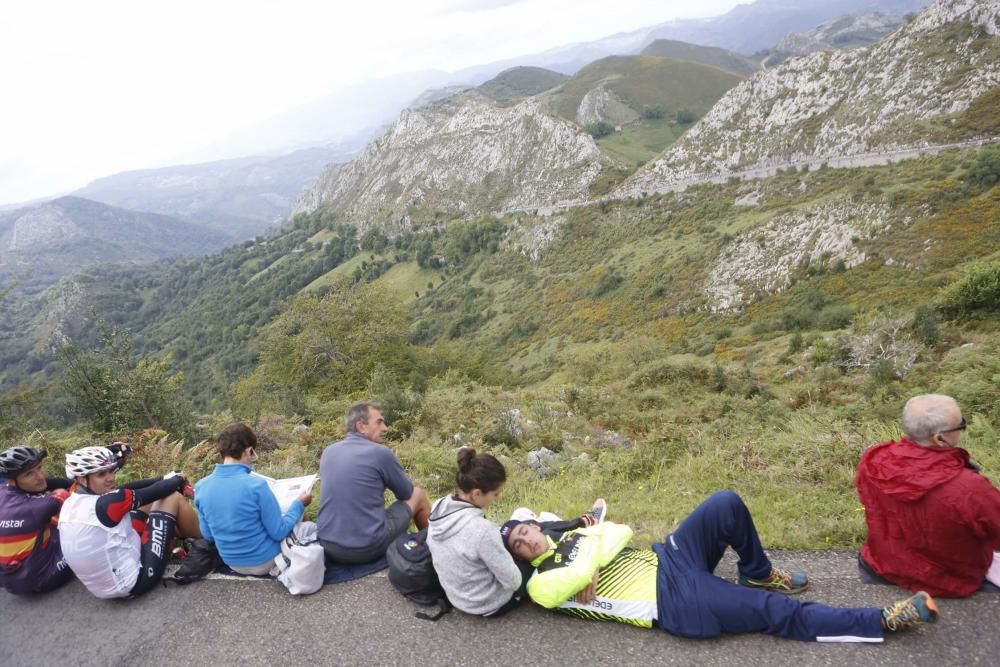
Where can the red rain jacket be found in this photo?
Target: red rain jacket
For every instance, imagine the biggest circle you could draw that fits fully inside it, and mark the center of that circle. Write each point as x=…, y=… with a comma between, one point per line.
x=933, y=521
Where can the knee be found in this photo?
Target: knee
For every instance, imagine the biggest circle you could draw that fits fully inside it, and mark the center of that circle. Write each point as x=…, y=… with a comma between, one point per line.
x=419, y=498
x=171, y=504
x=728, y=499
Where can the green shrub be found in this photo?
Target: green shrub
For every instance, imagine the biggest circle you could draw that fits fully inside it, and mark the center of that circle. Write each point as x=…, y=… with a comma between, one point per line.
x=669, y=372
x=118, y=391
x=608, y=282
x=834, y=317
x=977, y=288
x=826, y=351
x=925, y=327
x=985, y=171
x=599, y=129
x=795, y=344
x=653, y=112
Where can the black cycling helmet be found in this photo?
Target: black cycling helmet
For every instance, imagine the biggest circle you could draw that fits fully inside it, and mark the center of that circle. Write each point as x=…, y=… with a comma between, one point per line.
x=16, y=460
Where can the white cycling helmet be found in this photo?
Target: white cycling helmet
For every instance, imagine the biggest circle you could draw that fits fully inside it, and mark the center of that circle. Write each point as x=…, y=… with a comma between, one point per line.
x=82, y=462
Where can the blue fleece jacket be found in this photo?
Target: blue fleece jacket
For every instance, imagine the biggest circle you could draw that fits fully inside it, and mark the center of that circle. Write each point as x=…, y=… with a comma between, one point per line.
x=239, y=513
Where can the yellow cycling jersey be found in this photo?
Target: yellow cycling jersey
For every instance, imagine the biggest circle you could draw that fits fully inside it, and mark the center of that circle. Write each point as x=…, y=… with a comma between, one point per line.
x=626, y=586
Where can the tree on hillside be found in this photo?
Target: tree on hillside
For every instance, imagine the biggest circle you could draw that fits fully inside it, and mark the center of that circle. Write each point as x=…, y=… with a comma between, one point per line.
x=327, y=345
x=599, y=129
x=653, y=112
x=117, y=391
x=684, y=116
x=21, y=411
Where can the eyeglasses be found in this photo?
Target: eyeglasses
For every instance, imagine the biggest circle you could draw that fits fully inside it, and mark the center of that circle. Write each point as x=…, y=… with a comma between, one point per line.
x=962, y=425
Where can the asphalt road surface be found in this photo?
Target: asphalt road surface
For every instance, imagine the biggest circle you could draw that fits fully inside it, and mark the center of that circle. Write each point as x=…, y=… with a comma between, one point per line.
x=365, y=622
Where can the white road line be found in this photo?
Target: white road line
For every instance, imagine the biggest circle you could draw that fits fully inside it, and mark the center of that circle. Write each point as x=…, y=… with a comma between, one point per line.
x=171, y=569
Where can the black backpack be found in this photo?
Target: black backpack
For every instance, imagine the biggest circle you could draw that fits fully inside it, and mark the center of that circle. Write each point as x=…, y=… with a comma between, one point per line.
x=202, y=560
x=411, y=572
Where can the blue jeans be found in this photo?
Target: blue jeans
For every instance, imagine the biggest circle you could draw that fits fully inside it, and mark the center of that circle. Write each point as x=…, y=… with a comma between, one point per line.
x=693, y=602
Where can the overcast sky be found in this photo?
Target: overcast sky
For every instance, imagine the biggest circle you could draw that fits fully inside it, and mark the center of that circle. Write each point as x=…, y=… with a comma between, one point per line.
x=93, y=88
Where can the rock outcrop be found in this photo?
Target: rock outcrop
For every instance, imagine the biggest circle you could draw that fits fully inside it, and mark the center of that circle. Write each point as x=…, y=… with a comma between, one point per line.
x=600, y=104
x=462, y=156
x=841, y=103
x=763, y=260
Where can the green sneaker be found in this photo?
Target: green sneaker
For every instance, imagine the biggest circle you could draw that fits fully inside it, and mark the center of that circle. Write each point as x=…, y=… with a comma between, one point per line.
x=779, y=581
x=911, y=612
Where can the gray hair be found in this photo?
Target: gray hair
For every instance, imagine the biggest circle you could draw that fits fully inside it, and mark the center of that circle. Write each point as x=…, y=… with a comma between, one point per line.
x=927, y=414
x=358, y=414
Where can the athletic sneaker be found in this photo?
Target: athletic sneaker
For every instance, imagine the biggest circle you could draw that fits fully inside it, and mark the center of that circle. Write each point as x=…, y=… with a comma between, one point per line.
x=908, y=613
x=779, y=581
x=596, y=514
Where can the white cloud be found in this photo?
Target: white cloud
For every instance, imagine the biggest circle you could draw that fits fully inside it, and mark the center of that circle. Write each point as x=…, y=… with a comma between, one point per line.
x=93, y=88
x=480, y=5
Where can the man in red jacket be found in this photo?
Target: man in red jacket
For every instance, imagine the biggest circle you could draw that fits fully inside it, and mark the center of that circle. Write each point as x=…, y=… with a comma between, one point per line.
x=933, y=519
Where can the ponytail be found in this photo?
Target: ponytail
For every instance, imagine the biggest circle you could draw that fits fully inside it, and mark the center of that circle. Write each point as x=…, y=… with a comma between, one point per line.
x=478, y=471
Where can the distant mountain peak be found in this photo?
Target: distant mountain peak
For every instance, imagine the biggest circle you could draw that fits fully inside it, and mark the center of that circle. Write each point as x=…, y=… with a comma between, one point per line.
x=707, y=55
x=522, y=81
x=845, y=32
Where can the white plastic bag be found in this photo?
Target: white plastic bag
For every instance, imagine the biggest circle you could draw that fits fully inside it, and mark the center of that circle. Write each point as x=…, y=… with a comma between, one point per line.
x=301, y=564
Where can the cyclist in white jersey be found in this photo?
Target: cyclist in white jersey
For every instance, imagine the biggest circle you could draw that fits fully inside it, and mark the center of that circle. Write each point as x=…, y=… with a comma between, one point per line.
x=117, y=539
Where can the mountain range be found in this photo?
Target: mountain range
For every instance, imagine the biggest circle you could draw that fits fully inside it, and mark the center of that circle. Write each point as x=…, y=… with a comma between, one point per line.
x=445, y=211
x=651, y=99
x=469, y=155
x=239, y=198
x=747, y=29
x=41, y=243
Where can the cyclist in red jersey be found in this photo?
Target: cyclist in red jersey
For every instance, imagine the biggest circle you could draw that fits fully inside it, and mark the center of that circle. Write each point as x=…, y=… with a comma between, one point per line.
x=31, y=559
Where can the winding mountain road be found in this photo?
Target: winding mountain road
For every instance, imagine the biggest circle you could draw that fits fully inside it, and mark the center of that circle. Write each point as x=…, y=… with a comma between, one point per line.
x=765, y=170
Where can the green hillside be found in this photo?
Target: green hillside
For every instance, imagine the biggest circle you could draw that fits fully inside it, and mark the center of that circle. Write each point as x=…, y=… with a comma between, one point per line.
x=519, y=82
x=706, y=55
x=647, y=81
x=637, y=142
x=606, y=345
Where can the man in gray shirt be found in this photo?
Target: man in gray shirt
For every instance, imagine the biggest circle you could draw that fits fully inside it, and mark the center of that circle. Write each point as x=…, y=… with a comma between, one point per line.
x=354, y=524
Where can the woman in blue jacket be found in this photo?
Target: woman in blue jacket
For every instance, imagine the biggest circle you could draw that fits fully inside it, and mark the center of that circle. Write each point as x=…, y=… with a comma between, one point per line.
x=237, y=510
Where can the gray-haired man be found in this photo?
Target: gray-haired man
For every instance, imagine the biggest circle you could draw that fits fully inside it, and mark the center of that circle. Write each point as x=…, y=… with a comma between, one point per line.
x=933, y=519
x=355, y=526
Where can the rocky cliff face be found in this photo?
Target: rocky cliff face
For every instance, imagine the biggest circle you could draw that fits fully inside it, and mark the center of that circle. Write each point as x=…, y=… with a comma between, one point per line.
x=763, y=260
x=465, y=155
x=830, y=104
x=600, y=104
x=40, y=227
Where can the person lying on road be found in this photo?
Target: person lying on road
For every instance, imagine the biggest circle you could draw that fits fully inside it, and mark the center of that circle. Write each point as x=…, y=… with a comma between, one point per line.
x=592, y=573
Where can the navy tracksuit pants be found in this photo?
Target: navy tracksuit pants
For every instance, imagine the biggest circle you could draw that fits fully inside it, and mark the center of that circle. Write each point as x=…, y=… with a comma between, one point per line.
x=693, y=602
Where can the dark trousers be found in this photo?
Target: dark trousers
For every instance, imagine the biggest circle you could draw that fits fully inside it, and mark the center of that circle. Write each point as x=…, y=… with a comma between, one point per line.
x=693, y=602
